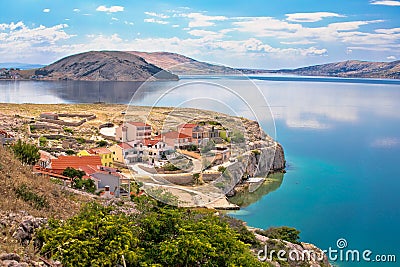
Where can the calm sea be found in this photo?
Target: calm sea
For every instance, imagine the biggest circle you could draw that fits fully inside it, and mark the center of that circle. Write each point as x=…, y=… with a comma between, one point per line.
x=341, y=138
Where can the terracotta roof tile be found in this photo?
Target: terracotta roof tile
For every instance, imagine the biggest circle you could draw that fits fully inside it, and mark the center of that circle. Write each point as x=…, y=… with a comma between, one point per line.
x=74, y=162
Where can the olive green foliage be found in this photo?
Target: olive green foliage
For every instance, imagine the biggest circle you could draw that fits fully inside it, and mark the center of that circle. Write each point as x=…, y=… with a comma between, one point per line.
x=192, y=148
x=170, y=167
x=102, y=143
x=92, y=238
x=196, y=178
x=285, y=233
x=237, y=137
x=70, y=152
x=221, y=169
x=68, y=130
x=42, y=141
x=208, y=147
x=156, y=236
x=88, y=185
x=26, y=194
x=80, y=140
x=25, y=152
x=73, y=173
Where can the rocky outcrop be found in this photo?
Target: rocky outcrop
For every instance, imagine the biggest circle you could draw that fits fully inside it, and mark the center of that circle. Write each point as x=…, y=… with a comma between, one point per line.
x=103, y=66
x=301, y=254
x=21, y=225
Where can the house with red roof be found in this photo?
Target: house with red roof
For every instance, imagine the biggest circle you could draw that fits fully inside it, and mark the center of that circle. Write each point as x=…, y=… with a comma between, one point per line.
x=197, y=132
x=105, y=154
x=175, y=139
x=58, y=165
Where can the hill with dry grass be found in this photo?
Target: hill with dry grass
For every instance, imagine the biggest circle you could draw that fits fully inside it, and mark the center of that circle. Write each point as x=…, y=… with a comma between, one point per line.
x=180, y=64
x=24, y=194
x=104, y=66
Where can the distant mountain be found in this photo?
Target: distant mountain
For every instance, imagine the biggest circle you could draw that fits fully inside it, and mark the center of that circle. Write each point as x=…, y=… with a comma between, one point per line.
x=22, y=66
x=349, y=69
x=180, y=64
x=103, y=66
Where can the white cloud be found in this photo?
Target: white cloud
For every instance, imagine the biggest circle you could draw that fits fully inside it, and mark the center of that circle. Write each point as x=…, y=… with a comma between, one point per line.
x=111, y=9
x=175, y=26
x=388, y=31
x=128, y=23
x=391, y=57
x=76, y=10
x=46, y=10
x=386, y=142
x=153, y=20
x=386, y=3
x=158, y=15
x=207, y=34
x=201, y=20
x=115, y=19
x=311, y=17
x=302, y=42
x=17, y=37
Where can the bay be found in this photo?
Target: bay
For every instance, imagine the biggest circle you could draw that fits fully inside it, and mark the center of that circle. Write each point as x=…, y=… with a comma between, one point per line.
x=341, y=138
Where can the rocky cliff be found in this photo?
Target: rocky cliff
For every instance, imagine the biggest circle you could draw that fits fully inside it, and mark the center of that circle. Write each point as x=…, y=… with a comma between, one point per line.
x=104, y=66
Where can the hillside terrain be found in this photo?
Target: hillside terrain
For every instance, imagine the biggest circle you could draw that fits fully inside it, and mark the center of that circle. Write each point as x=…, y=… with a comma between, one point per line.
x=180, y=64
x=142, y=66
x=350, y=69
x=103, y=66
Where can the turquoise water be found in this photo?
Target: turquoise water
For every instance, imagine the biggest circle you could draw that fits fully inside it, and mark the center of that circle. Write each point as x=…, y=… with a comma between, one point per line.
x=343, y=175
x=341, y=139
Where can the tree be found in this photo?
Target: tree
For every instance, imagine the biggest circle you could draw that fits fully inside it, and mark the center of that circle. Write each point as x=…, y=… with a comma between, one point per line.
x=25, y=152
x=102, y=143
x=73, y=173
x=221, y=169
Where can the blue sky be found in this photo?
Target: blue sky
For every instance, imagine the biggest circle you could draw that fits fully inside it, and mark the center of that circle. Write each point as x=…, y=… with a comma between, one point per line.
x=251, y=33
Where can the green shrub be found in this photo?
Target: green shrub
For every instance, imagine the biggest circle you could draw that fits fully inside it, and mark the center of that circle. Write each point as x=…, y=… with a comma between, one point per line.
x=26, y=153
x=170, y=167
x=221, y=169
x=102, y=143
x=73, y=173
x=42, y=141
x=160, y=236
x=68, y=130
x=69, y=152
x=26, y=194
x=285, y=233
x=80, y=140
